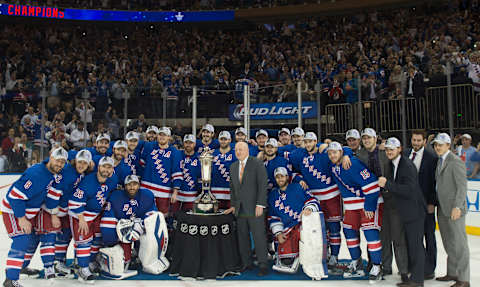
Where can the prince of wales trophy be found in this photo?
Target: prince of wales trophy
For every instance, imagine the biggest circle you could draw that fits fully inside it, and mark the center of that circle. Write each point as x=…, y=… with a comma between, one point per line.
x=206, y=203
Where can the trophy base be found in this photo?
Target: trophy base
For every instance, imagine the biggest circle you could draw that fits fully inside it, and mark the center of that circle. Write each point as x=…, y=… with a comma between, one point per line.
x=205, y=204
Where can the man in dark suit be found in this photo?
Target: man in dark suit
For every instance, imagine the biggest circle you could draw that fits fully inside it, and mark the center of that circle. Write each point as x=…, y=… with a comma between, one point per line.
x=392, y=228
x=415, y=84
x=425, y=160
x=403, y=184
x=248, y=193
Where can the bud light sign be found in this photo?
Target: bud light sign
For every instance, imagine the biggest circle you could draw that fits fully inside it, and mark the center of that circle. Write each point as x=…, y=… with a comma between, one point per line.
x=274, y=111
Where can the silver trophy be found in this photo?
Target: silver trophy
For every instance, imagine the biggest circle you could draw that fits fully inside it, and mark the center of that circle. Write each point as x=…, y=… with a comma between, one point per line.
x=206, y=203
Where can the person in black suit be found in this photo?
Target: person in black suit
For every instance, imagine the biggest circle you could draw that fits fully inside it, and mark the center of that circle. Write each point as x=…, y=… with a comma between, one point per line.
x=425, y=161
x=248, y=191
x=403, y=184
x=415, y=84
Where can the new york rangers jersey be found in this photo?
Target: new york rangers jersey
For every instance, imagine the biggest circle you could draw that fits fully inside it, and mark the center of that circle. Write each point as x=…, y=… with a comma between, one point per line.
x=221, y=173
x=122, y=170
x=64, y=189
x=285, y=150
x=286, y=206
x=359, y=186
x=161, y=169
x=273, y=164
x=200, y=146
x=190, y=166
x=90, y=197
x=27, y=195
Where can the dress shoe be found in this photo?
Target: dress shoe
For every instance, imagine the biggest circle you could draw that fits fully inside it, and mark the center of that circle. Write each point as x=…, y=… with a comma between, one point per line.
x=429, y=276
x=246, y=268
x=387, y=272
x=405, y=278
x=410, y=284
x=461, y=284
x=446, y=278
x=263, y=271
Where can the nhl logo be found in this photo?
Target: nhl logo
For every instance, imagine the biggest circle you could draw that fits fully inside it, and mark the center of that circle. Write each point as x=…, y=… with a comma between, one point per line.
x=184, y=228
x=203, y=230
x=225, y=229
x=193, y=230
x=214, y=230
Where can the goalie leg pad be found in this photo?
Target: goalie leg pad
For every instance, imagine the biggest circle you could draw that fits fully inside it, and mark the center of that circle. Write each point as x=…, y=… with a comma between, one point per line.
x=153, y=244
x=313, y=246
x=112, y=263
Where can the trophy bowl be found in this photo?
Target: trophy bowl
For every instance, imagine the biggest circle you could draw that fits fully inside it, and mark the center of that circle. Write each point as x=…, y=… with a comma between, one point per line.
x=205, y=203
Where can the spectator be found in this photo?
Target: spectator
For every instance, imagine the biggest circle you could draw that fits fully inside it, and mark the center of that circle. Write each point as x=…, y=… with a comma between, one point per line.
x=8, y=142
x=415, y=84
x=139, y=125
x=79, y=136
x=113, y=123
x=72, y=125
x=465, y=151
x=30, y=115
x=3, y=161
x=17, y=157
x=85, y=114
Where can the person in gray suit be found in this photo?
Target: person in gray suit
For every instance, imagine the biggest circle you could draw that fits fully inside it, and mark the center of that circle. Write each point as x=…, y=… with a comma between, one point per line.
x=248, y=199
x=393, y=230
x=451, y=177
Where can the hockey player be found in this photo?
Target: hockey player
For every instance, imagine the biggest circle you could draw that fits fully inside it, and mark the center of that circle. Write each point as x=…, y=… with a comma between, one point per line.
x=20, y=208
x=261, y=137
x=84, y=208
x=207, y=141
x=151, y=134
x=297, y=137
x=223, y=157
x=135, y=146
x=102, y=143
x=353, y=140
x=122, y=165
x=272, y=162
x=312, y=166
x=285, y=146
x=162, y=174
x=240, y=135
x=363, y=210
x=287, y=204
x=72, y=174
x=122, y=224
x=190, y=166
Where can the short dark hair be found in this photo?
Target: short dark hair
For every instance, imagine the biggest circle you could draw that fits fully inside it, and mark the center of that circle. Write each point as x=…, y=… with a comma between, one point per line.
x=420, y=132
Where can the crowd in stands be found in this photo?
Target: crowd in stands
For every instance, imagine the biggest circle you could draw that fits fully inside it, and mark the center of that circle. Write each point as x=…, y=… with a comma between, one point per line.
x=86, y=72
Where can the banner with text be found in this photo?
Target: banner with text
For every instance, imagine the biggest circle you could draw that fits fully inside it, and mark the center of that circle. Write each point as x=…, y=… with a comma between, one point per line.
x=273, y=111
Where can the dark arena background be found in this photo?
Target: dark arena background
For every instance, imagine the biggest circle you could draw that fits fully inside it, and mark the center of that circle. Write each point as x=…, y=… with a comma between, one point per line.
x=77, y=73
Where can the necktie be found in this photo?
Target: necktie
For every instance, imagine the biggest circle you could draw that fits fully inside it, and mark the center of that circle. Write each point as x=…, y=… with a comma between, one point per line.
x=242, y=169
x=439, y=164
x=413, y=156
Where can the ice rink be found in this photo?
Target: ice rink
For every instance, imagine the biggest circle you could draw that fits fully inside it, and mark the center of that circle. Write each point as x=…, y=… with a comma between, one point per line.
x=390, y=281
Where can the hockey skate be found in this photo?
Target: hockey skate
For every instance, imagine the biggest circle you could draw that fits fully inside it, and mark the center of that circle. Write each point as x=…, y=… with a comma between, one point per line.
x=29, y=273
x=85, y=276
x=333, y=268
x=50, y=273
x=375, y=274
x=11, y=283
x=354, y=269
x=94, y=267
x=63, y=270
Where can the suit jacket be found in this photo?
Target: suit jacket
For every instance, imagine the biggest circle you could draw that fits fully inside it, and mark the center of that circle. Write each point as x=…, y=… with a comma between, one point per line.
x=362, y=155
x=252, y=191
x=418, y=85
x=452, y=184
x=406, y=191
x=426, y=174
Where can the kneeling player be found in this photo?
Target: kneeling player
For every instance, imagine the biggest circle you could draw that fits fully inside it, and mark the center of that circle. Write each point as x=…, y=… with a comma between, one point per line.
x=131, y=215
x=287, y=204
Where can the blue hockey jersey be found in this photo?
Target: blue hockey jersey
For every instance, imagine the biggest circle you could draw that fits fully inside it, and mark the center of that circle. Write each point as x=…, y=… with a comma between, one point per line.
x=121, y=206
x=273, y=164
x=90, y=197
x=27, y=195
x=64, y=189
x=221, y=173
x=359, y=186
x=191, y=186
x=285, y=207
x=200, y=146
x=122, y=170
x=161, y=169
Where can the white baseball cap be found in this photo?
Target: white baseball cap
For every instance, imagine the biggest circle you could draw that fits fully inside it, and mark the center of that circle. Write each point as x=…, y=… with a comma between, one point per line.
x=392, y=143
x=120, y=144
x=103, y=136
x=280, y=170
x=106, y=160
x=310, y=136
x=208, y=127
x=353, y=133
x=241, y=130
x=334, y=146
x=84, y=155
x=131, y=178
x=189, y=138
x=225, y=135
x=165, y=130
x=467, y=136
x=59, y=153
x=131, y=135
x=271, y=141
x=442, y=138
x=284, y=130
x=152, y=129
x=298, y=132
x=261, y=132
x=369, y=132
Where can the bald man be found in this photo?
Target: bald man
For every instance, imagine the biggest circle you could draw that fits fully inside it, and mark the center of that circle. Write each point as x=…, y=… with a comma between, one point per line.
x=248, y=191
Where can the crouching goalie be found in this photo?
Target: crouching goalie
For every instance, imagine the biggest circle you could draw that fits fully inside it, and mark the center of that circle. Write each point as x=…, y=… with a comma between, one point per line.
x=131, y=216
x=298, y=224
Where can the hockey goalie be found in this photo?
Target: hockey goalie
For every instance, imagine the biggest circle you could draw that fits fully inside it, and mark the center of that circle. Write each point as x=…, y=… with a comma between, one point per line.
x=131, y=216
x=297, y=223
